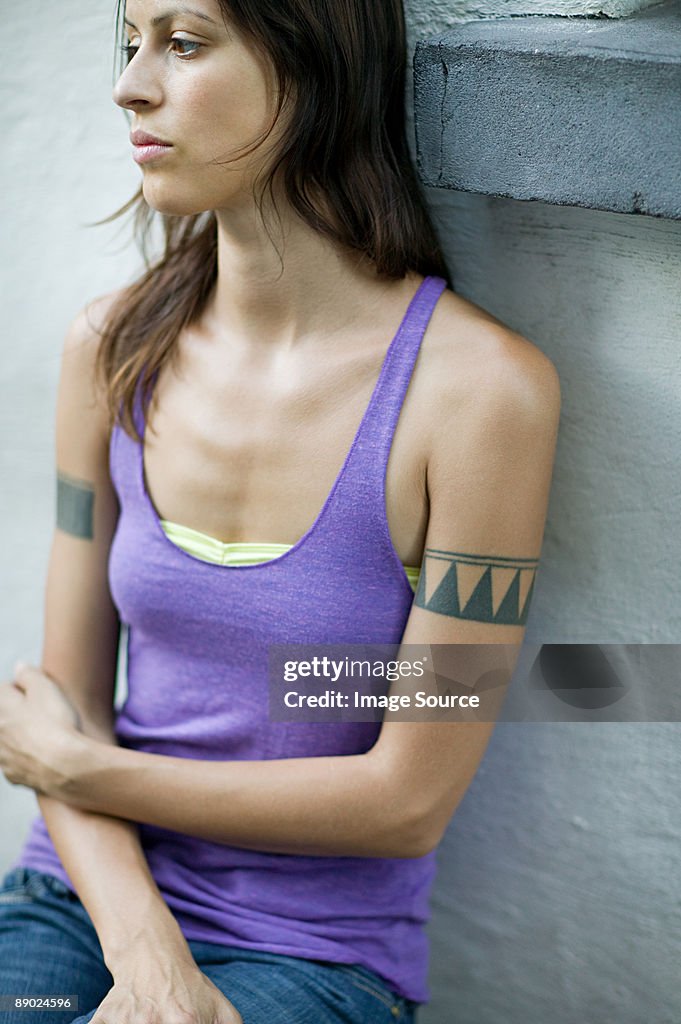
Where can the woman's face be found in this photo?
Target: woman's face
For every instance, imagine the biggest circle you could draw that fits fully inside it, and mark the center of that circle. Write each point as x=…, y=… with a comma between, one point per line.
x=193, y=82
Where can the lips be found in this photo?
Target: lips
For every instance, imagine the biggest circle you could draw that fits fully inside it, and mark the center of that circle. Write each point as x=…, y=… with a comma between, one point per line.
x=140, y=138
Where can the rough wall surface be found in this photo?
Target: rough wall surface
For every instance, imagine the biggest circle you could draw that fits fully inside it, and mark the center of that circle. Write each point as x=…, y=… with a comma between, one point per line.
x=429, y=16
x=558, y=882
x=565, y=110
x=558, y=897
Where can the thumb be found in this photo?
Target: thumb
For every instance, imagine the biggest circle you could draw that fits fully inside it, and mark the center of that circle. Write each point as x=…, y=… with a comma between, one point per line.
x=19, y=671
x=25, y=672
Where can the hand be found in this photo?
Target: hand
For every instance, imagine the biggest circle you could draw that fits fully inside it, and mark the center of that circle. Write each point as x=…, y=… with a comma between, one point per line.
x=162, y=986
x=37, y=722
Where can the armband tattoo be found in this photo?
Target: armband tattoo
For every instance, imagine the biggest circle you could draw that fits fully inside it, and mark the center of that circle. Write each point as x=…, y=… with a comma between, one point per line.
x=75, y=502
x=486, y=588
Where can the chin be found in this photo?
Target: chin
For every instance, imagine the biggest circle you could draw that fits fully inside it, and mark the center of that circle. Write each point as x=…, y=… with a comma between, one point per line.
x=164, y=198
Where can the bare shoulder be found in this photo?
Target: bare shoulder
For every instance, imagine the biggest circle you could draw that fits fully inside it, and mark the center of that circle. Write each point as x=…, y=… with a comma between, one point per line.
x=493, y=424
x=478, y=365
x=85, y=328
x=79, y=388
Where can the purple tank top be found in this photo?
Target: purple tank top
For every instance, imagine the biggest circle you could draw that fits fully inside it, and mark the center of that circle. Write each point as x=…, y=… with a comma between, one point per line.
x=198, y=686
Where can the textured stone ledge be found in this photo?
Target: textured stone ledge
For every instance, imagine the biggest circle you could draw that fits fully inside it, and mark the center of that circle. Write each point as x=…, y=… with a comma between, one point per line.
x=579, y=112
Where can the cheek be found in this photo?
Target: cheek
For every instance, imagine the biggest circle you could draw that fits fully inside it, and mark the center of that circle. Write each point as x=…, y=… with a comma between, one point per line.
x=226, y=112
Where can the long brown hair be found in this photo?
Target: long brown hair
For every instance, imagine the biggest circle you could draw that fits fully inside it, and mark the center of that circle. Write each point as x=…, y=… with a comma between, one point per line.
x=342, y=65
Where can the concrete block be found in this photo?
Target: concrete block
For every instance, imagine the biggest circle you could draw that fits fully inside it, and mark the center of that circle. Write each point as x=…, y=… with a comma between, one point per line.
x=440, y=14
x=580, y=112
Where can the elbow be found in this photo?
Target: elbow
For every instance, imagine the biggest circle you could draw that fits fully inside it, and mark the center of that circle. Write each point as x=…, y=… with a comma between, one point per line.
x=411, y=824
x=426, y=841
x=415, y=837
x=99, y=728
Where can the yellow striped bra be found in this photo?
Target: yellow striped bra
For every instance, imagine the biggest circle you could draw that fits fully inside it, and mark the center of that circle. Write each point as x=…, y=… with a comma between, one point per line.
x=208, y=549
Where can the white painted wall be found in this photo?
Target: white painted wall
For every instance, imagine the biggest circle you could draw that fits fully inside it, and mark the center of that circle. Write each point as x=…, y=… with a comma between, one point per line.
x=559, y=895
x=65, y=163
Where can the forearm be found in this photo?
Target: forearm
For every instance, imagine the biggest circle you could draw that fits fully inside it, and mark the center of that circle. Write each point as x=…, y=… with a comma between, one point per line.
x=321, y=806
x=103, y=857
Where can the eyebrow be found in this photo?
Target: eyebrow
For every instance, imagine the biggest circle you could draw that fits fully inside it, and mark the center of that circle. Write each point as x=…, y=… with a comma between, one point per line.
x=167, y=15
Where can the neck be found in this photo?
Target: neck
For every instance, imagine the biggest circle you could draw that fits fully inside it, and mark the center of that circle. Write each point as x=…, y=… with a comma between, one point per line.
x=321, y=290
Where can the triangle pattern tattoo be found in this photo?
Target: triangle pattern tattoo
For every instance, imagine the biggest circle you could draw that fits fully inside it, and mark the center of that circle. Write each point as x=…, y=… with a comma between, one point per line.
x=471, y=583
x=437, y=570
x=477, y=587
x=503, y=580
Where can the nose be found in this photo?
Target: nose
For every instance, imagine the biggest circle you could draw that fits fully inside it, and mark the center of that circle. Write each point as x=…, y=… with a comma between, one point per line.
x=138, y=84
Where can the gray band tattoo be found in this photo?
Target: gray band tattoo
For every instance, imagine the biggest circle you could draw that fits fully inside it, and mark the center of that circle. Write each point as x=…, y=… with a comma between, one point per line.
x=75, y=503
x=486, y=588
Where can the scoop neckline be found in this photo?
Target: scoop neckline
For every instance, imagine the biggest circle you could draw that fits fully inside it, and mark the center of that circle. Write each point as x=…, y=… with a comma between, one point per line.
x=238, y=546
x=181, y=554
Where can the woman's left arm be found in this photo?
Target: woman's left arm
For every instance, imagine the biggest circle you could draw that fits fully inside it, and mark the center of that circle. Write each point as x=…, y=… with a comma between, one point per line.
x=489, y=479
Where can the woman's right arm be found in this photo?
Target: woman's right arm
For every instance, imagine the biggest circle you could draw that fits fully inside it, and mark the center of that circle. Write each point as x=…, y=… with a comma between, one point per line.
x=154, y=972
x=103, y=856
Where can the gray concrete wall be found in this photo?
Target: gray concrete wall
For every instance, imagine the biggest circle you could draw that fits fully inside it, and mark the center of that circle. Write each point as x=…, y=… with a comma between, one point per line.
x=574, y=111
x=427, y=16
x=558, y=895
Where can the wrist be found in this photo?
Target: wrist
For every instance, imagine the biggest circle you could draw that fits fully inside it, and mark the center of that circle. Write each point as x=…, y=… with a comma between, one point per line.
x=69, y=753
x=155, y=939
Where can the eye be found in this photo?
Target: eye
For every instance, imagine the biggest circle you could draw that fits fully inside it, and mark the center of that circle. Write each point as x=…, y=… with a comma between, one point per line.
x=186, y=42
x=129, y=50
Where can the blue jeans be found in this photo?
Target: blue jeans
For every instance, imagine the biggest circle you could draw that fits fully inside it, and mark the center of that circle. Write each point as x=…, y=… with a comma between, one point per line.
x=48, y=946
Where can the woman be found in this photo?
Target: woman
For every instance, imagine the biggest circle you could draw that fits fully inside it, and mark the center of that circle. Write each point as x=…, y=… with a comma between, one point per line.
x=195, y=858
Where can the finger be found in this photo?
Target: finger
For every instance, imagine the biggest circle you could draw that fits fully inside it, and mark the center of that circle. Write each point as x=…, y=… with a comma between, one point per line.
x=31, y=676
x=20, y=673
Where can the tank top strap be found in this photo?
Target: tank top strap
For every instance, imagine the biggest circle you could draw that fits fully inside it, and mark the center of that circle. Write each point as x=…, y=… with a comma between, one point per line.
x=363, y=476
